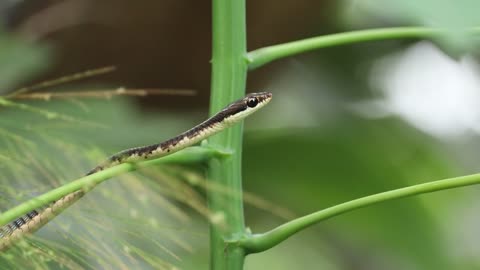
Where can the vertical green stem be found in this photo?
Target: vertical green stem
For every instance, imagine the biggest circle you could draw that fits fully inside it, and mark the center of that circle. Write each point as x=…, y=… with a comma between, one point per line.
x=229, y=69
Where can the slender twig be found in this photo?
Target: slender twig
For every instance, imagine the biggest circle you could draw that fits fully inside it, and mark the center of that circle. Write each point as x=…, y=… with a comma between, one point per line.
x=105, y=93
x=62, y=80
x=262, y=56
x=196, y=154
x=261, y=242
x=50, y=115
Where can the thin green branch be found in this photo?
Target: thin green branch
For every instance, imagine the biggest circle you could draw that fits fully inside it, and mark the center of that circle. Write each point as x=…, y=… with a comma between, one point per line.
x=262, y=56
x=189, y=155
x=229, y=73
x=261, y=242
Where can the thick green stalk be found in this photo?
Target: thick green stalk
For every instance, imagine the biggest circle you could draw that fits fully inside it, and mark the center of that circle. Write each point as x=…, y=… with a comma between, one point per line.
x=229, y=70
x=262, y=56
x=262, y=242
x=190, y=155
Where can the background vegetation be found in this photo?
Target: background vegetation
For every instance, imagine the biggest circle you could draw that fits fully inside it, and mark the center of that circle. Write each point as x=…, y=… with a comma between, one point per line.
x=345, y=122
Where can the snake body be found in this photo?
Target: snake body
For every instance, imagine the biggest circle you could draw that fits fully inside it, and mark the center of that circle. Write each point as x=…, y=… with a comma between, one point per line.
x=230, y=115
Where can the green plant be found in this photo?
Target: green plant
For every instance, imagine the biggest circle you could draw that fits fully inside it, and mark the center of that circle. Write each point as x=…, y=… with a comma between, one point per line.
x=230, y=240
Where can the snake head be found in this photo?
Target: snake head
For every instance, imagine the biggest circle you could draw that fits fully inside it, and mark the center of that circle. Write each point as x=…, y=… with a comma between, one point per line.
x=241, y=108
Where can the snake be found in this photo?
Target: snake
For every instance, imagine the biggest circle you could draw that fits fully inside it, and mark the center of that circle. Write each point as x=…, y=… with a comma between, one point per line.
x=227, y=117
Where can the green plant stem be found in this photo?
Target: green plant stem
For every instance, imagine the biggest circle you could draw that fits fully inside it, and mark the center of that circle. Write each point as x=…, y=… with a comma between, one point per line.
x=189, y=155
x=262, y=56
x=229, y=70
x=262, y=242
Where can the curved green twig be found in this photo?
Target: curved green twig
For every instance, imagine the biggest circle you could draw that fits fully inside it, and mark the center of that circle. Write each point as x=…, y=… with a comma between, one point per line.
x=195, y=154
x=262, y=56
x=262, y=242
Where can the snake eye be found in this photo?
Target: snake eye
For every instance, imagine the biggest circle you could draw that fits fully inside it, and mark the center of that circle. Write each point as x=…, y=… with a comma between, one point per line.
x=252, y=102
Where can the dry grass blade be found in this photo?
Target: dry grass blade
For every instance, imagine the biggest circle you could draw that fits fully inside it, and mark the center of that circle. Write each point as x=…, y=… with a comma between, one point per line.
x=106, y=93
x=50, y=115
x=64, y=79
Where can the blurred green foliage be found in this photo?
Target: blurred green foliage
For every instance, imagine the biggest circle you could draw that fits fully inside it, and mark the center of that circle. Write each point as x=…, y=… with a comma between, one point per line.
x=454, y=15
x=457, y=14
x=20, y=61
x=317, y=168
